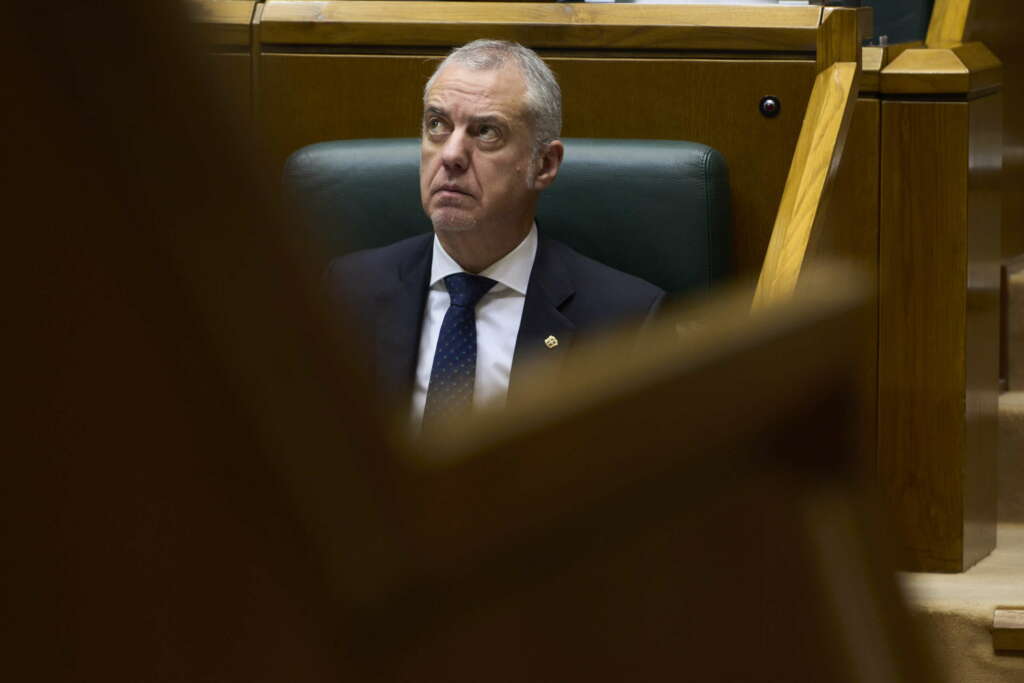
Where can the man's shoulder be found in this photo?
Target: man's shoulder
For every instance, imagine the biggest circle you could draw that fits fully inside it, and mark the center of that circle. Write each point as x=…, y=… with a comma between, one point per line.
x=601, y=285
x=370, y=265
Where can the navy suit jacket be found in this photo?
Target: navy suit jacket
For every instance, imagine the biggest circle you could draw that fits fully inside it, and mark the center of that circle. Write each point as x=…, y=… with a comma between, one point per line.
x=568, y=295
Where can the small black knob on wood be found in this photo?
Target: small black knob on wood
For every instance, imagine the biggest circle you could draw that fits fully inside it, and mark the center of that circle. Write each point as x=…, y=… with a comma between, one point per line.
x=770, y=106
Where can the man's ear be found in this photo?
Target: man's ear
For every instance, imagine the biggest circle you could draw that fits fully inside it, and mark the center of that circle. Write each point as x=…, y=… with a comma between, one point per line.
x=548, y=163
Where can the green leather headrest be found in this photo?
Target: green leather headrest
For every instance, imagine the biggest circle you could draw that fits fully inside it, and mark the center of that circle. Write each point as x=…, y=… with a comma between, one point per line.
x=658, y=209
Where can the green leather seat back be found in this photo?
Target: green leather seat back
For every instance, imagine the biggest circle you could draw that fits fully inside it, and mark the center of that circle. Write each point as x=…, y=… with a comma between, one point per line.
x=655, y=208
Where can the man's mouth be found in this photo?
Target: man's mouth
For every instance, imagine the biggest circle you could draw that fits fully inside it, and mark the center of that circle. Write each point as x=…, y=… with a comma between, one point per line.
x=453, y=189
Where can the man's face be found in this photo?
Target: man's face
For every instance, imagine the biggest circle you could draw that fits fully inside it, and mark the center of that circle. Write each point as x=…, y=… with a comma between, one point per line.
x=476, y=154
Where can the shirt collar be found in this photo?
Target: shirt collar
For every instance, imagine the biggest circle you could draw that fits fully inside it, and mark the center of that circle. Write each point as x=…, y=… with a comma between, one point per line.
x=512, y=269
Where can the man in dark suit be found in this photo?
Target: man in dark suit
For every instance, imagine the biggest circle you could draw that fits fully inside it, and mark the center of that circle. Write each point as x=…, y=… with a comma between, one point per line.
x=455, y=313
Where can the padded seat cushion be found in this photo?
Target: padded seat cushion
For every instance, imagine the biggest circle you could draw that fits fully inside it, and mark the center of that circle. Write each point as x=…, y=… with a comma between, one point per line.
x=657, y=209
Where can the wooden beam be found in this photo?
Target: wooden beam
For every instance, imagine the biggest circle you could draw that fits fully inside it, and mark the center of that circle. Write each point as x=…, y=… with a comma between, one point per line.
x=819, y=148
x=948, y=23
x=815, y=160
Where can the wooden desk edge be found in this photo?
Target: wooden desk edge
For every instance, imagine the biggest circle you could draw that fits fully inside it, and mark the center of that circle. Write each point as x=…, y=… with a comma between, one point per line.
x=783, y=29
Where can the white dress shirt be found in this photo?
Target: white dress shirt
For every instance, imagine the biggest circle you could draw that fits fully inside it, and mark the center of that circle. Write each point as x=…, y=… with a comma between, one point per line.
x=498, y=315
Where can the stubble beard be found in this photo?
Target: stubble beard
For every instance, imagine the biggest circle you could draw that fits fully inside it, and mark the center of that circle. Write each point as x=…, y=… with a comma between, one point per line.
x=447, y=222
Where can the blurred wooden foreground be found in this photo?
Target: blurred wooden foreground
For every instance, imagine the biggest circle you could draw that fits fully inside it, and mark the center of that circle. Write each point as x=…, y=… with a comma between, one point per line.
x=197, y=491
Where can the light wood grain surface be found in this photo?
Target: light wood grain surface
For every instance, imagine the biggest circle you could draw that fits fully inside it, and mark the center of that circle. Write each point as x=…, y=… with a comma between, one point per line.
x=963, y=69
x=222, y=22
x=817, y=155
x=872, y=61
x=874, y=58
x=947, y=23
x=604, y=26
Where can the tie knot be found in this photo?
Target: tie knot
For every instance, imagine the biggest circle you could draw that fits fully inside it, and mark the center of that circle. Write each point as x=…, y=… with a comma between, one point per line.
x=465, y=289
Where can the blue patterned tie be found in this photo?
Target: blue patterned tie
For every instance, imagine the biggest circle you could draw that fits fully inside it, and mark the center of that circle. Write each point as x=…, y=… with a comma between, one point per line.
x=453, y=373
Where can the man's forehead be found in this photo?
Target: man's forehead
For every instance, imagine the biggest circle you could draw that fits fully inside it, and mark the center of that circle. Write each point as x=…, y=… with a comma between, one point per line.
x=503, y=86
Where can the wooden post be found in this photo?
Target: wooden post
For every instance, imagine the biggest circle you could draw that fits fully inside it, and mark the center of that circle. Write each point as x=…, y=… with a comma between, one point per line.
x=938, y=308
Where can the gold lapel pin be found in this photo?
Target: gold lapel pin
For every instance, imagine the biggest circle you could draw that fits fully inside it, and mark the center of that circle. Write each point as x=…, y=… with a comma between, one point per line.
x=551, y=342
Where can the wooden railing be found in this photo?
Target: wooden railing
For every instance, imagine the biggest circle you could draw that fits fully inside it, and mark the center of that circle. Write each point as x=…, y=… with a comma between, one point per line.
x=801, y=215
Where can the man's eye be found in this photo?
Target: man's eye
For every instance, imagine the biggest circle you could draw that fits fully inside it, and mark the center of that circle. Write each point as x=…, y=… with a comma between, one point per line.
x=435, y=126
x=487, y=132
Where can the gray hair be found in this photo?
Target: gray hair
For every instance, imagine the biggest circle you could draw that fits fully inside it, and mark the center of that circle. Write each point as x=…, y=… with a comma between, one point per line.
x=543, y=96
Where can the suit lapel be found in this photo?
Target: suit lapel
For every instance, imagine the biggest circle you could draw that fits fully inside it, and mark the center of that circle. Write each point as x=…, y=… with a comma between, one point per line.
x=549, y=289
x=399, y=318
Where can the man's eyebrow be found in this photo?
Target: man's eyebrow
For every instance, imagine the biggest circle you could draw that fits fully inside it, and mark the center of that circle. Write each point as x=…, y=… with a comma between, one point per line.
x=433, y=109
x=490, y=119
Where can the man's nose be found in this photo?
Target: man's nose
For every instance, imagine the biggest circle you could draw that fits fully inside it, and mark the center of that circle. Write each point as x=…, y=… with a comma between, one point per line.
x=455, y=153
